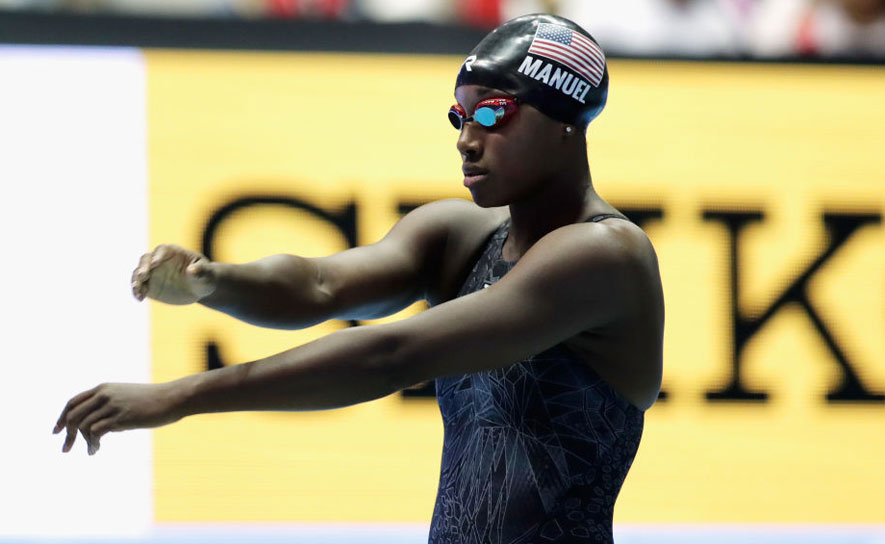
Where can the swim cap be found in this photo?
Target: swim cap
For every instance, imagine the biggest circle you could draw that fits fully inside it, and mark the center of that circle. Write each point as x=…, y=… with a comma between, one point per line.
x=543, y=60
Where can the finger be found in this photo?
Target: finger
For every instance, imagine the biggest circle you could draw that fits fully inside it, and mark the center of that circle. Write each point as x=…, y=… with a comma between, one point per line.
x=104, y=426
x=197, y=268
x=88, y=427
x=201, y=269
x=141, y=271
x=70, y=438
x=77, y=415
x=140, y=276
x=140, y=290
x=101, y=428
x=161, y=254
x=76, y=400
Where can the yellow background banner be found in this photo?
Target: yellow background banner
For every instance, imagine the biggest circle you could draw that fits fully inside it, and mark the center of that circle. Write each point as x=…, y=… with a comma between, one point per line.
x=282, y=139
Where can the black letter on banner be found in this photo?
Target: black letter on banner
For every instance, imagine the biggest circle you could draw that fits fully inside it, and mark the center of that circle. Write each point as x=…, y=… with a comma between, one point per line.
x=840, y=228
x=344, y=220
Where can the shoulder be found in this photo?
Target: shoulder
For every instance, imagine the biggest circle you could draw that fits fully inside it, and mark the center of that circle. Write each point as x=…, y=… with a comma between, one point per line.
x=608, y=266
x=456, y=214
x=609, y=243
x=444, y=237
x=432, y=224
x=450, y=227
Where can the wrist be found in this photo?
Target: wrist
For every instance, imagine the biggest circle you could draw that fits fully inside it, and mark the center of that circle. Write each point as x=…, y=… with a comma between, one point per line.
x=178, y=396
x=213, y=275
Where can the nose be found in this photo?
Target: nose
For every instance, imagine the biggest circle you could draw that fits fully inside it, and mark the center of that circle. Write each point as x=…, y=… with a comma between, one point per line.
x=470, y=142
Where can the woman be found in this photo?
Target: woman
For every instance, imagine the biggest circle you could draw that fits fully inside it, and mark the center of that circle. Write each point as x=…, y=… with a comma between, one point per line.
x=545, y=328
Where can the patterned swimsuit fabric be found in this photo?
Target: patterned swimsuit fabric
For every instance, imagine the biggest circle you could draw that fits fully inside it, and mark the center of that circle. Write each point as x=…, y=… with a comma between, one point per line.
x=535, y=452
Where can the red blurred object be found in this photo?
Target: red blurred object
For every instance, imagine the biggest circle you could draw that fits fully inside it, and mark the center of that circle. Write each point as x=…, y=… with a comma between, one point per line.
x=282, y=8
x=333, y=8
x=329, y=9
x=480, y=13
x=806, y=42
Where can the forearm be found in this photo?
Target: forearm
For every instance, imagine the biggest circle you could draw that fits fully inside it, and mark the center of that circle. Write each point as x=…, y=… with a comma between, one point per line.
x=343, y=368
x=281, y=291
x=347, y=367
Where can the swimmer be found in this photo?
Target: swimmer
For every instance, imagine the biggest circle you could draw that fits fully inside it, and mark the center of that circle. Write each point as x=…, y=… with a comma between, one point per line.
x=544, y=332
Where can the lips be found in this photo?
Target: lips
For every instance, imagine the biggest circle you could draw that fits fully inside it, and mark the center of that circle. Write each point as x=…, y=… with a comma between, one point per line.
x=473, y=174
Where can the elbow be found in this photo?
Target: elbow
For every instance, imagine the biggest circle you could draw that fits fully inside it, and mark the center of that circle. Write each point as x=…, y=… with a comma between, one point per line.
x=298, y=298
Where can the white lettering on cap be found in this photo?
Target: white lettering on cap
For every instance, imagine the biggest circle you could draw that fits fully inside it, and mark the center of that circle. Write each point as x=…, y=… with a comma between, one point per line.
x=561, y=80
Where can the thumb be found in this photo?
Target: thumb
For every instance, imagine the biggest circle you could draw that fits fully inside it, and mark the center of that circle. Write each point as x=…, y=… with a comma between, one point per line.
x=202, y=277
x=198, y=269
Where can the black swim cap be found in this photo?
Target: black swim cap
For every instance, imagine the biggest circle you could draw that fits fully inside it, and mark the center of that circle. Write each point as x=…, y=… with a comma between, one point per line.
x=546, y=61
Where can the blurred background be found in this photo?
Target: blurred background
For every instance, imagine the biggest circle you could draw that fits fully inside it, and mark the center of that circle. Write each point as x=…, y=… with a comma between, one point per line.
x=744, y=136
x=692, y=28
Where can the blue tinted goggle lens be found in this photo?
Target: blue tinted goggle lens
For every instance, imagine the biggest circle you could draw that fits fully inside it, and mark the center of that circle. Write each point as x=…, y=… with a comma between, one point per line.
x=487, y=115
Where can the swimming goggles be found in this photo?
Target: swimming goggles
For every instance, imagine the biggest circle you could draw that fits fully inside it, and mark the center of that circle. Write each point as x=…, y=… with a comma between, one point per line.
x=491, y=112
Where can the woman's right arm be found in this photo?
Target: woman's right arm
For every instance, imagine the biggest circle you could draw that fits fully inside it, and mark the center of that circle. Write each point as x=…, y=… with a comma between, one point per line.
x=291, y=292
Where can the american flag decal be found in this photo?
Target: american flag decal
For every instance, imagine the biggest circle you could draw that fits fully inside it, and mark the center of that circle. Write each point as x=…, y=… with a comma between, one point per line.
x=570, y=48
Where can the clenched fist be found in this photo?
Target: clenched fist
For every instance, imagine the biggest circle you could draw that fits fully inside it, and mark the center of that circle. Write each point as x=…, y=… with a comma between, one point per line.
x=173, y=275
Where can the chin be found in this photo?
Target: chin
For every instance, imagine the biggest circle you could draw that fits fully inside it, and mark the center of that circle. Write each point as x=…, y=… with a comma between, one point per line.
x=487, y=201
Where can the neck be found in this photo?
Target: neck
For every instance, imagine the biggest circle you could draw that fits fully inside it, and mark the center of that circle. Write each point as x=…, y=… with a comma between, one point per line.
x=568, y=199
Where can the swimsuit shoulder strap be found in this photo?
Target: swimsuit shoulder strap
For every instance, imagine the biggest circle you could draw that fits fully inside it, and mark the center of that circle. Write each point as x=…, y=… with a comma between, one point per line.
x=603, y=216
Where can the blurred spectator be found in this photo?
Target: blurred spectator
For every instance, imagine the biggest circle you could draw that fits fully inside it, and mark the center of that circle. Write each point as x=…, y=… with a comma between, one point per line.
x=680, y=28
x=310, y=9
x=825, y=28
x=514, y=8
x=42, y=5
x=405, y=10
x=165, y=8
x=693, y=28
x=477, y=13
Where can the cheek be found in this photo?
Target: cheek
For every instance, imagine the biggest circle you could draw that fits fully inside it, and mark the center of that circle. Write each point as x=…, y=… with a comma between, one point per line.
x=528, y=158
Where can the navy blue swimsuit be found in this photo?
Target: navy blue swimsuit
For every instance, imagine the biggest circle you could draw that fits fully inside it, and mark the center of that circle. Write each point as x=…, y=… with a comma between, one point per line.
x=534, y=452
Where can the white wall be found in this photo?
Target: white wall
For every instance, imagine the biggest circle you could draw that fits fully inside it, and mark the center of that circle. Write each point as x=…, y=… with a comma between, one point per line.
x=73, y=220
